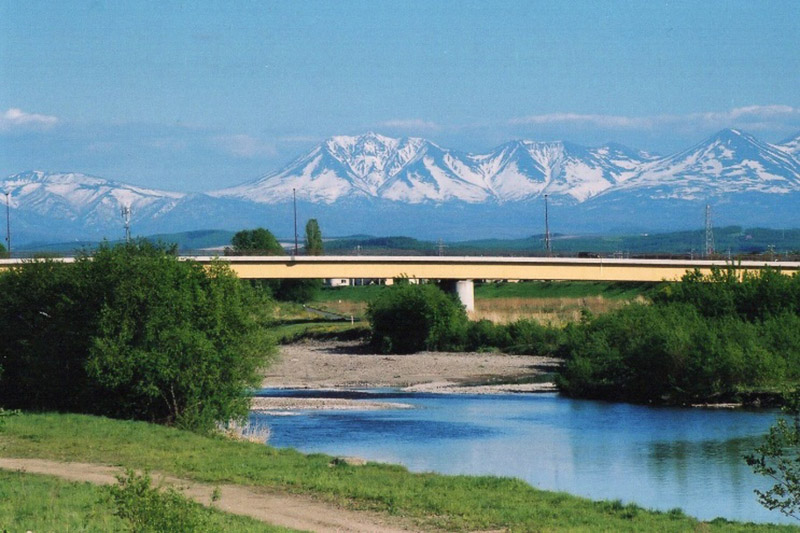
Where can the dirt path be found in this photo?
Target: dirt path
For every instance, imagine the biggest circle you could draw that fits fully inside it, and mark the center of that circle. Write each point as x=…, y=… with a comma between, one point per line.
x=287, y=510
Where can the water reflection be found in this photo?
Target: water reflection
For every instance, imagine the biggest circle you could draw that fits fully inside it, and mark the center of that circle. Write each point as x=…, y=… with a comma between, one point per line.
x=657, y=457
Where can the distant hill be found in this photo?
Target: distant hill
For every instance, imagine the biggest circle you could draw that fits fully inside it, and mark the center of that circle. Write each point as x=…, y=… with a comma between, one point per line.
x=735, y=239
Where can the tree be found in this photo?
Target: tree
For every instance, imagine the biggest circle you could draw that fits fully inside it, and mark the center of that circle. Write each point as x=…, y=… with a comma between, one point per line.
x=313, y=238
x=778, y=457
x=131, y=332
x=261, y=242
x=257, y=241
x=409, y=318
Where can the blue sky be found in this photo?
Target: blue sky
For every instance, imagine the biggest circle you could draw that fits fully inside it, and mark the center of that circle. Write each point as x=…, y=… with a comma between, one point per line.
x=203, y=95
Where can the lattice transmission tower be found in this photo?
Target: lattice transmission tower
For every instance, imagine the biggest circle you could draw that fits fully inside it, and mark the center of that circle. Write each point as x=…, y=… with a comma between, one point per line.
x=709, y=246
x=547, y=245
x=126, y=219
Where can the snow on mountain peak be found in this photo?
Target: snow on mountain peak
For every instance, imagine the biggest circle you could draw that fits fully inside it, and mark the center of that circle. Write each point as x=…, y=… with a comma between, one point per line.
x=74, y=194
x=416, y=170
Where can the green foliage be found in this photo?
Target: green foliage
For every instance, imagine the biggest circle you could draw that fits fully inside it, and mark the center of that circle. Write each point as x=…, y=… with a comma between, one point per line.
x=294, y=290
x=150, y=510
x=408, y=318
x=523, y=337
x=130, y=332
x=313, y=238
x=778, y=458
x=755, y=296
x=47, y=315
x=257, y=241
x=706, y=338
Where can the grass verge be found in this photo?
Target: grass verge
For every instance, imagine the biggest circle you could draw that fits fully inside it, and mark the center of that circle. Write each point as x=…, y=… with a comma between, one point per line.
x=287, y=333
x=455, y=503
x=30, y=502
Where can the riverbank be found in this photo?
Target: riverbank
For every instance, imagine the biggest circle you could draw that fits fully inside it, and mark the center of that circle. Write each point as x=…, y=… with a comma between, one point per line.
x=351, y=365
x=397, y=498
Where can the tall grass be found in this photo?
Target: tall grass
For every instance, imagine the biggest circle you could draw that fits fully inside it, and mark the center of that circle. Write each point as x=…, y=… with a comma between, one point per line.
x=553, y=311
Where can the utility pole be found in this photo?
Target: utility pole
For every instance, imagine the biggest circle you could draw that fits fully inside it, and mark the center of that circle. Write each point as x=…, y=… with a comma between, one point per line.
x=546, y=227
x=126, y=218
x=8, y=223
x=709, y=246
x=294, y=202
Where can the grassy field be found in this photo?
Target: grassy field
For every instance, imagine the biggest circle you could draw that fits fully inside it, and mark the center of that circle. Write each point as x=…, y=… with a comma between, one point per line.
x=549, y=302
x=564, y=289
x=454, y=503
x=30, y=502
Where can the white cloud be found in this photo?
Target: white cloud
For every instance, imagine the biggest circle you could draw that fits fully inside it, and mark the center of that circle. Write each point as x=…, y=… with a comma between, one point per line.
x=246, y=146
x=754, y=117
x=605, y=121
x=411, y=124
x=15, y=118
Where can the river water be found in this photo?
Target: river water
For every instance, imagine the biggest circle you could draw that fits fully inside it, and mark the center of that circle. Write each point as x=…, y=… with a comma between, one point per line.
x=659, y=458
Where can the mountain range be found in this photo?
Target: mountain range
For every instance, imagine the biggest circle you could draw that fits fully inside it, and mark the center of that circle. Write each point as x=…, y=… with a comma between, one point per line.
x=412, y=186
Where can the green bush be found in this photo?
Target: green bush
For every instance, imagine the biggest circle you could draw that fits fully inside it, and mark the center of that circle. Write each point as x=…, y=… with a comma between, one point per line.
x=726, y=292
x=130, y=332
x=486, y=335
x=407, y=318
x=705, y=338
x=150, y=510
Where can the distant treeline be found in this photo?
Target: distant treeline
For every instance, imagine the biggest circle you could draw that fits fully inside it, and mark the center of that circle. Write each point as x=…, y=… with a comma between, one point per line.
x=735, y=240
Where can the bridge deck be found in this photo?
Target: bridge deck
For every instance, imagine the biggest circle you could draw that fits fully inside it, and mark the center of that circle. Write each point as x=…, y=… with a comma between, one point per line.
x=466, y=268
x=489, y=268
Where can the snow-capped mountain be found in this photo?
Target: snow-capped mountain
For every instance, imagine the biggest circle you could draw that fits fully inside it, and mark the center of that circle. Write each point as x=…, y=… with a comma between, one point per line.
x=729, y=162
x=382, y=185
x=92, y=200
x=75, y=205
x=414, y=170
x=791, y=146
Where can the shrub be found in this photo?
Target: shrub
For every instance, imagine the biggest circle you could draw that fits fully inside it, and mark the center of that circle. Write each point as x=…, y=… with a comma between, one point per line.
x=409, y=318
x=148, y=509
x=131, y=332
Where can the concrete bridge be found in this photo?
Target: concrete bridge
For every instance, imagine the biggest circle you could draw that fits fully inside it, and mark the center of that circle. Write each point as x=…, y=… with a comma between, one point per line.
x=464, y=270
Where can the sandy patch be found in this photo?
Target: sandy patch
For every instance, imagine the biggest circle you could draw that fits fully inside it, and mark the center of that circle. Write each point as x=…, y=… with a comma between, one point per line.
x=273, y=404
x=336, y=365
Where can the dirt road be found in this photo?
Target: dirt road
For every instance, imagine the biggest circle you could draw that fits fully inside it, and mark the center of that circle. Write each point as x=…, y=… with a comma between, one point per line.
x=292, y=511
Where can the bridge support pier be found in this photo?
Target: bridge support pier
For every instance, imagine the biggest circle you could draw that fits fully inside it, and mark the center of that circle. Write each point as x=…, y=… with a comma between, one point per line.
x=465, y=290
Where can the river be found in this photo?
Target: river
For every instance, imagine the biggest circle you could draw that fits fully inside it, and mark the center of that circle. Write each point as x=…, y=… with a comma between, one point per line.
x=657, y=457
